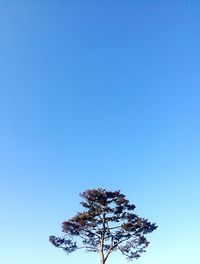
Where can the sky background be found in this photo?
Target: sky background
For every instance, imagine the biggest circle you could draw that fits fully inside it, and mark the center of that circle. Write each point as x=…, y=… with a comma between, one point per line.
x=99, y=94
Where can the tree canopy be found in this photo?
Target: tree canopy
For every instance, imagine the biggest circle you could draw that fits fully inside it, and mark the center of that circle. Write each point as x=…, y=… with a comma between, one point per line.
x=107, y=224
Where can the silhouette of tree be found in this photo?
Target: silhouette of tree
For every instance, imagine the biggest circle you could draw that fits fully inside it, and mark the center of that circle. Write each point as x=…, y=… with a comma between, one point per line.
x=107, y=224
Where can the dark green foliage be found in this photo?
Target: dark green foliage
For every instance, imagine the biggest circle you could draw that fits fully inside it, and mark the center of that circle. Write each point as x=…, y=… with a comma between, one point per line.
x=107, y=224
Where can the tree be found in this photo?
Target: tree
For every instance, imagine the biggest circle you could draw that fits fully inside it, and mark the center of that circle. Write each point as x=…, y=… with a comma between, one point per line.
x=106, y=225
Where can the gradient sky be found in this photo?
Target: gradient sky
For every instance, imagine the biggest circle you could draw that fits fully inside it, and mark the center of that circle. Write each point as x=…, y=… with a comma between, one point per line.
x=99, y=94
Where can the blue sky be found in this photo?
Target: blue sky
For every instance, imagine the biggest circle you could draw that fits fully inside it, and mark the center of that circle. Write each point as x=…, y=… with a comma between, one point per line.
x=99, y=94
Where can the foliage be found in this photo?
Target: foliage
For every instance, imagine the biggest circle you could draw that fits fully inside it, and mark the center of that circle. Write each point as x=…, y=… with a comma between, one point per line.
x=106, y=225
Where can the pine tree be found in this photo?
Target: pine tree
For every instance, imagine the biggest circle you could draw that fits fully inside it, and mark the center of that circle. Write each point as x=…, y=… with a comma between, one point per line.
x=107, y=224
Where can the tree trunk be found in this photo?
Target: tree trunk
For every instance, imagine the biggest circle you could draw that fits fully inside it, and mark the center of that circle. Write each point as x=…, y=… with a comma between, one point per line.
x=102, y=260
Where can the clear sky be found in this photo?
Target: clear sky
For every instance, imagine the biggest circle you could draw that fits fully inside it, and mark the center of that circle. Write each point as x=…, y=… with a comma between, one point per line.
x=98, y=93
